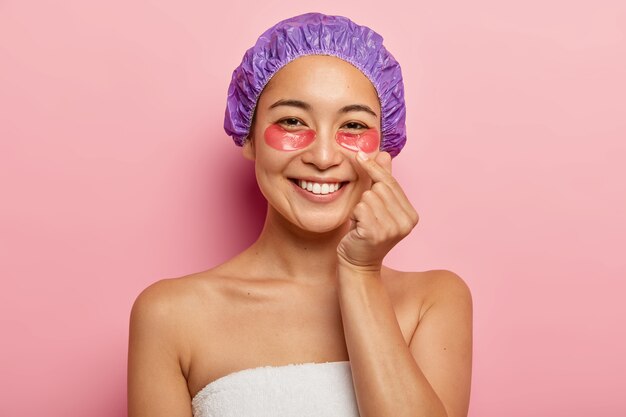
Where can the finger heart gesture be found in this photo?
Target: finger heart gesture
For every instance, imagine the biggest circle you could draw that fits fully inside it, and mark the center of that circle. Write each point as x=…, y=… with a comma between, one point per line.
x=382, y=218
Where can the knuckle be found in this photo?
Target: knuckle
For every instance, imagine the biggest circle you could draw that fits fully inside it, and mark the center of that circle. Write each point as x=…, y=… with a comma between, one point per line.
x=360, y=207
x=379, y=187
x=413, y=215
x=369, y=195
x=406, y=226
x=377, y=238
x=362, y=232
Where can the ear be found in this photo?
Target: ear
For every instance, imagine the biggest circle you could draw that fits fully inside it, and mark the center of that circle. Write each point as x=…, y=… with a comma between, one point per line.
x=248, y=150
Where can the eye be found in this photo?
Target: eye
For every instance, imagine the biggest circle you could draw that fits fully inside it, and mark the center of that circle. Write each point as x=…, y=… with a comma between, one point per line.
x=355, y=126
x=291, y=122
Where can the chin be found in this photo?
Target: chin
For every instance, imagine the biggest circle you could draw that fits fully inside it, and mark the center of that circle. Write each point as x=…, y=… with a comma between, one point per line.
x=321, y=226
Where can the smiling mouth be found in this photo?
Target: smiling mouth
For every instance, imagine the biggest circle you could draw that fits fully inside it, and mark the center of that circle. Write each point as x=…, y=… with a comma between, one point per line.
x=322, y=188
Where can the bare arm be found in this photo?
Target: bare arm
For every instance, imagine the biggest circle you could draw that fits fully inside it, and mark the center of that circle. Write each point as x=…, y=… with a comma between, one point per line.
x=431, y=376
x=442, y=344
x=156, y=384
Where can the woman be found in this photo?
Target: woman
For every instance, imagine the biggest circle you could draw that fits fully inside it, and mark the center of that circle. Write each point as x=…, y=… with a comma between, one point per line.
x=308, y=321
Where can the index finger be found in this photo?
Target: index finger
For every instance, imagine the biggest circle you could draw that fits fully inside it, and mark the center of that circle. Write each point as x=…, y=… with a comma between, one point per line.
x=378, y=172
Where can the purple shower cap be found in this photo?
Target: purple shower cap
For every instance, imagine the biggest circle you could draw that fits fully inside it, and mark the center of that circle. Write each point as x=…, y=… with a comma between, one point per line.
x=318, y=34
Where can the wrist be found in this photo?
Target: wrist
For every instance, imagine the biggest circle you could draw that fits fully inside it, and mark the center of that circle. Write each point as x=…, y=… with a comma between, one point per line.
x=345, y=268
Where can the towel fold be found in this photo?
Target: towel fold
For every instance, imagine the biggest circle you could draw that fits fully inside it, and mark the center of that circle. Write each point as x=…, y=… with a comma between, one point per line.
x=296, y=390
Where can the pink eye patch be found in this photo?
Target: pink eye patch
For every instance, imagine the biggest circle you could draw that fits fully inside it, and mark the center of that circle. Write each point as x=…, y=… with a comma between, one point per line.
x=367, y=141
x=283, y=140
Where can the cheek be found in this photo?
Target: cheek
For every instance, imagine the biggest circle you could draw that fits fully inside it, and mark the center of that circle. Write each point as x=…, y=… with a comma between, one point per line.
x=282, y=140
x=368, y=141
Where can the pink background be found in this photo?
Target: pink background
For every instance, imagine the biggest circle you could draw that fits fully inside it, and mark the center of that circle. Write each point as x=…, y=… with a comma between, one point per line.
x=116, y=173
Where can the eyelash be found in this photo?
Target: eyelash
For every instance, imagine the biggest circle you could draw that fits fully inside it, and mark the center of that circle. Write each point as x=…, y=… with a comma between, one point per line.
x=357, y=123
x=282, y=121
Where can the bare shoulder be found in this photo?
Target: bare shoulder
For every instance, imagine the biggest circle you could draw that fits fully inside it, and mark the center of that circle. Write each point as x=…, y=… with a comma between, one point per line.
x=154, y=311
x=175, y=300
x=425, y=288
x=165, y=297
x=431, y=284
x=162, y=320
x=444, y=284
x=172, y=304
x=168, y=312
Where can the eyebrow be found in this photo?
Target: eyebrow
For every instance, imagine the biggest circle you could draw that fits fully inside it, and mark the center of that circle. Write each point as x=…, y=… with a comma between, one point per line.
x=305, y=106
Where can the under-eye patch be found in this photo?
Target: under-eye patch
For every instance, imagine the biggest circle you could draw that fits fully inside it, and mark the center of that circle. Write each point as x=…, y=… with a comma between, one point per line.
x=367, y=141
x=283, y=140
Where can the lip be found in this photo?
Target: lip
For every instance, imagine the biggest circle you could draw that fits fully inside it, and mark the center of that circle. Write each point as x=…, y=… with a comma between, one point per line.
x=321, y=198
x=328, y=180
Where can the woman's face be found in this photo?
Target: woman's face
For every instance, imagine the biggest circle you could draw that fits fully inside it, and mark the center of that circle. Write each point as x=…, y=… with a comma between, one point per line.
x=310, y=119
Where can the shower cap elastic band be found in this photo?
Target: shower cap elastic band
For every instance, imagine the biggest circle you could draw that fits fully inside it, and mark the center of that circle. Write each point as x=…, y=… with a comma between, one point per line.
x=318, y=34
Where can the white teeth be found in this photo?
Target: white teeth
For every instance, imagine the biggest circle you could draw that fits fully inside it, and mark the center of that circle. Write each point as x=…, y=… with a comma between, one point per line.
x=318, y=188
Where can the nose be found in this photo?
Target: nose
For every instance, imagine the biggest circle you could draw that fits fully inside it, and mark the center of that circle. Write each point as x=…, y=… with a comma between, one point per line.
x=324, y=152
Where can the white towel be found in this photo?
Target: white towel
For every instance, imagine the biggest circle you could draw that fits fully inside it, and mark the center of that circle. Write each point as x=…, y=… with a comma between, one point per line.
x=296, y=390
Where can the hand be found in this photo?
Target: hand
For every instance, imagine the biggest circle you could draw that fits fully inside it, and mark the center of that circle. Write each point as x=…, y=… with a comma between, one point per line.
x=382, y=218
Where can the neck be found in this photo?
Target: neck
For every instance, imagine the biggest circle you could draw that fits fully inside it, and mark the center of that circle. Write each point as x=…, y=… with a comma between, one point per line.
x=286, y=251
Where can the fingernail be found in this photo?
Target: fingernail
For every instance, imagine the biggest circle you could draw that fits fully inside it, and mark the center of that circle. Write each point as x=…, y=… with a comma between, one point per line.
x=362, y=156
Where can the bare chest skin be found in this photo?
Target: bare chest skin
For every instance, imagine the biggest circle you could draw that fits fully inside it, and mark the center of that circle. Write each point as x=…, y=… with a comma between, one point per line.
x=238, y=324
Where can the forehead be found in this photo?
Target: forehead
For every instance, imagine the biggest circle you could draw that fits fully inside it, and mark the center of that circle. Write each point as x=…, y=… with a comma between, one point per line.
x=321, y=76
